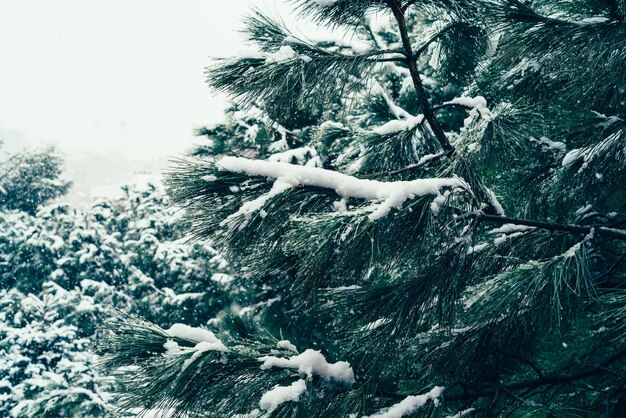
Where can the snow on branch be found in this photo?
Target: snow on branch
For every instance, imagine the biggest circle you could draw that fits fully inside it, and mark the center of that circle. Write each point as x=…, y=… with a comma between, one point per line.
x=281, y=394
x=472, y=102
x=392, y=194
x=397, y=125
x=462, y=413
x=410, y=404
x=312, y=362
x=191, y=333
x=398, y=112
x=325, y=2
x=205, y=341
x=477, y=106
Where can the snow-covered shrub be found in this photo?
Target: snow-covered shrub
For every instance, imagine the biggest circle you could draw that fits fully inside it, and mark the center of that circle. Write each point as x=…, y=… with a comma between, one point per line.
x=46, y=368
x=31, y=178
x=64, y=271
x=133, y=245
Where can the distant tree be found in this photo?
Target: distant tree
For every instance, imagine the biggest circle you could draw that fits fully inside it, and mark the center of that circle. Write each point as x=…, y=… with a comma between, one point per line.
x=31, y=178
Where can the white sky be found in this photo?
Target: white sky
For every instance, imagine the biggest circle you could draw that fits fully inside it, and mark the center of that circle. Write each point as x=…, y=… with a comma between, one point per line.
x=118, y=77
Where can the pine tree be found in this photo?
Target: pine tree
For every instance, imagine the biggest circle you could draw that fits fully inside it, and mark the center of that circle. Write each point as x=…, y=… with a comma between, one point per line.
x=458, y=252
x=31, y=178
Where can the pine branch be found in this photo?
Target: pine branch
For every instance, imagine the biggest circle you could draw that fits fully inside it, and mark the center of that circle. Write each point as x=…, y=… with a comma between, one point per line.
x=417, y=53
x=372, y=36
x=382, y=52
x=427, y=110
x=604, y=276
x=372, y=55
x=338, y=12
x=425, y=161
x=551, y=226
x=549, y=379
x=446, y=105
x=532, y=365
x=389, y=59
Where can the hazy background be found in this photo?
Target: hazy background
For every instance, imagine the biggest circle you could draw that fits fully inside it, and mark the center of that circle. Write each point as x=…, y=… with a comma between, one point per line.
x=117, y=86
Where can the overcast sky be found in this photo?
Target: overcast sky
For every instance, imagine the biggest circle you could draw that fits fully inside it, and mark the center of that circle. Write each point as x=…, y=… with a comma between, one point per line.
x=119, y=76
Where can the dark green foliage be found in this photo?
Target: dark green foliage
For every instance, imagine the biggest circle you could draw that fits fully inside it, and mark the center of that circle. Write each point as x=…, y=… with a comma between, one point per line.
x=459, y=50
x=245, y=135
x=209, y=375
x=521, y=105
x=341, y=11
x=287, y=85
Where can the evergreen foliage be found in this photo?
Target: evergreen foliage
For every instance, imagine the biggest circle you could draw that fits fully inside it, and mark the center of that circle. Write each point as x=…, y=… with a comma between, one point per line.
x=47, y=369
x=64, y=272
x=456, y=233
x=133, y=245
x=31, y=178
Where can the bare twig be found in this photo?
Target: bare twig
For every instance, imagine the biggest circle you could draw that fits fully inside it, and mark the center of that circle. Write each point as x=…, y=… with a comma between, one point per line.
x=427, y=110
x=551, y=226
x=446, y=105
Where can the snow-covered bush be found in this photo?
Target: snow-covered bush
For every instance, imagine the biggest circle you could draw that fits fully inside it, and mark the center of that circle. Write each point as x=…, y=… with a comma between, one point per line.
x=31, y=178
x=134, y=245
x=65, y=271
x=46, y=367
